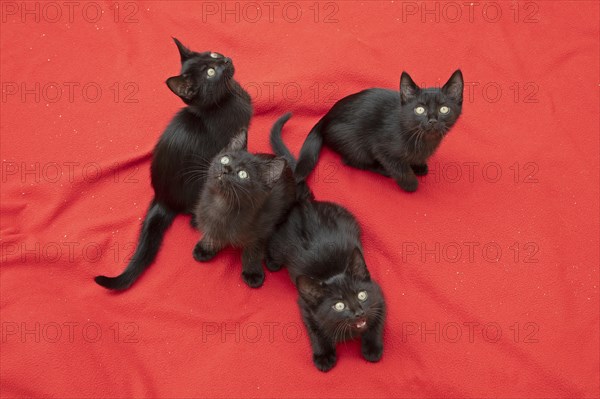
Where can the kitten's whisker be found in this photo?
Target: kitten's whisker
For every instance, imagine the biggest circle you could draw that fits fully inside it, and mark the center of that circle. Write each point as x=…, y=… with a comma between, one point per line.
x=193, y=176
x=416, y=135
x=229, y=198
x=413, y=132
x=421, y=143
x=337, y=332
x=375, y=313
x=197, y=160
x=239, y=207
x=248, y=195
x=194, y=172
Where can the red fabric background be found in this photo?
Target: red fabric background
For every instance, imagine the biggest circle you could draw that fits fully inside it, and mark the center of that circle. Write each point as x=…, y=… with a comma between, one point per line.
x=75, y=185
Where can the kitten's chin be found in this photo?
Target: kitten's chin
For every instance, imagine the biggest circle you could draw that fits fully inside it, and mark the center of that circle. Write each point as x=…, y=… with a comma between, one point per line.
x=433, y=134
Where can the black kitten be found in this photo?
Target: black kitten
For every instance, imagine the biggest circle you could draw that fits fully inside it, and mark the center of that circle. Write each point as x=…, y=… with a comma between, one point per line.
x=244, y=198
x=217, y=108
x=387, y=132
x=319, y=243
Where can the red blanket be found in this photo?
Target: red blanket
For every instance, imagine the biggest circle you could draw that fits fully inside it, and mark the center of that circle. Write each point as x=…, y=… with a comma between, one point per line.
x=490, y=269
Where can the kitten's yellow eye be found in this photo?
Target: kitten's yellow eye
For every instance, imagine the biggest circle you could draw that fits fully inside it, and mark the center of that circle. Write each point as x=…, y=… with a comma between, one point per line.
x=339, y=306
x=362, y=296
x=243, y=174
x=444, y=110
x=210, y=72
x=419, y=110
x=214, y=55
x=225, y=160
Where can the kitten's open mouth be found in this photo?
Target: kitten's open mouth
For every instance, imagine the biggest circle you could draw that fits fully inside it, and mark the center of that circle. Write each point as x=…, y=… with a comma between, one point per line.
x=360, y=323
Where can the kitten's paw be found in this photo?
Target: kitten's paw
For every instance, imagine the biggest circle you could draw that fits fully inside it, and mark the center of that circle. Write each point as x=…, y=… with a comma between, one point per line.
x=372, y=351
x=409, y=184
x=272, y=266
x=325, y=362
x=420, y=170
x=202, y=254
x=253, y=279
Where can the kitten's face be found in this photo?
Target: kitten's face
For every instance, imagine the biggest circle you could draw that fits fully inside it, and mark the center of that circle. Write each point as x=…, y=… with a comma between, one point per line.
x=204, y=77
x=345, y=305
x=239, y=176
x=349, y=307
x=430, y=112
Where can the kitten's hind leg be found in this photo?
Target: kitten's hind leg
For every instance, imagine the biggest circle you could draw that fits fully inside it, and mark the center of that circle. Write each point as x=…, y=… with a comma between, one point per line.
x=252, y=271
x=372, y=167
x=420, y=169
x=206, y=249
x=377, y=168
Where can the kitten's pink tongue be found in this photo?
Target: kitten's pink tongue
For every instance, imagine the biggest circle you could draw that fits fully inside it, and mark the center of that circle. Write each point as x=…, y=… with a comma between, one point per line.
x=361, y=323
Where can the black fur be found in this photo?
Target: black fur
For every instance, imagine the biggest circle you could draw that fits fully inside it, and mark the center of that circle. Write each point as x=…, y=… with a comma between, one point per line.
x=379, y=130
x=217, y=109
x=319, y=243
x=243, y=212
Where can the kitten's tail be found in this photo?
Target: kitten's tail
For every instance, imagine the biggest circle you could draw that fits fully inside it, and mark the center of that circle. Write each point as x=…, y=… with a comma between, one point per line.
x=277, y=143
x=280, y=149
x=157, y=221
x=309, y=153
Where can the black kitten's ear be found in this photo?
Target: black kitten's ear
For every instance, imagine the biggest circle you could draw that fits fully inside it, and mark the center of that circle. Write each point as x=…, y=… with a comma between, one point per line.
x=181, y=86
x=310, y=289
x=358, y=267
x=408, y=88
x=239, y=141
x=273, y=170
x=184, y=52
x=454, y=86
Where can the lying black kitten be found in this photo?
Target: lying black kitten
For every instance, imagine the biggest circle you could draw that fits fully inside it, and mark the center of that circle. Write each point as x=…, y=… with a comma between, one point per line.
x=319, y=243
x=244, y=198
x=387, y=132
x=217, y=108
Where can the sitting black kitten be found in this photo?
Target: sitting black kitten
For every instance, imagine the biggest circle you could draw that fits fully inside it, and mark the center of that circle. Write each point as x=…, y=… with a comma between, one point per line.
x=217, y=108
x=319, y=243
x=244, y=198
x=387, y=132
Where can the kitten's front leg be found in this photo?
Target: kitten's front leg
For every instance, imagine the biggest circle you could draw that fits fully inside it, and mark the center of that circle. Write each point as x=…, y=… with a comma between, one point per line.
x=252, y=271
x=324, y=356
x=272, y=265
x=206, y=249
x=377, y=168
x=420, y=169
x=372, y=341
x=401, y=172
x=373, y=166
